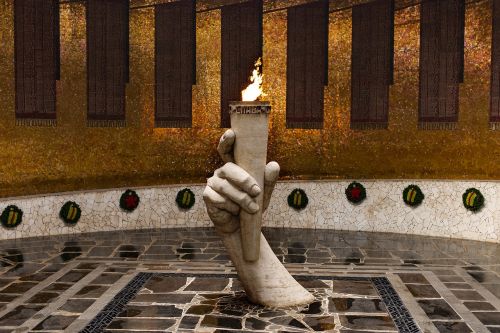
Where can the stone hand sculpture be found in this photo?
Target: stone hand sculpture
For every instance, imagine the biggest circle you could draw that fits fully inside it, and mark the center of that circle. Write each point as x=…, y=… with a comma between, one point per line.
x=229, y=191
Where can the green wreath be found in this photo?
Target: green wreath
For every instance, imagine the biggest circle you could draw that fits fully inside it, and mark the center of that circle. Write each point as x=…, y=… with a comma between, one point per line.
x=413, y=195
x=129, y=200
x=473, y=199
x=70, y=212
x=11, y=216
x=297, y=199
x=355, y=192
x=185, y=199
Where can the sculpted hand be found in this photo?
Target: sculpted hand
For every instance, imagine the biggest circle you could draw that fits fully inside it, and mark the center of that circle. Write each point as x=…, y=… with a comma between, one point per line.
x=231, y=189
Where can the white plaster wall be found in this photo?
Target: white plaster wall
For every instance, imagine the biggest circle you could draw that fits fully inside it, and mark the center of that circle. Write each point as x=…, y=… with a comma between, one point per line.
x=441, y=214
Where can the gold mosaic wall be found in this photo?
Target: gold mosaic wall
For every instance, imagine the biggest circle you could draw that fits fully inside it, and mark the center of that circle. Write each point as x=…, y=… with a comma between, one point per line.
x=73, y=157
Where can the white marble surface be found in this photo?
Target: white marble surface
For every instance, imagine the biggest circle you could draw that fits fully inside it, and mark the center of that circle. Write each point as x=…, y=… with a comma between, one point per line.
x=441, y=214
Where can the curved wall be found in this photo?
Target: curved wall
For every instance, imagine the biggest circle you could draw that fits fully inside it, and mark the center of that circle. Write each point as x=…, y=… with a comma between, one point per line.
x=441, y=214
x=72, y=156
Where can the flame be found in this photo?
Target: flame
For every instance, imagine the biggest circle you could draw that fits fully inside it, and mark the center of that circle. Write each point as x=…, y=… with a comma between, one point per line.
x=254, y=89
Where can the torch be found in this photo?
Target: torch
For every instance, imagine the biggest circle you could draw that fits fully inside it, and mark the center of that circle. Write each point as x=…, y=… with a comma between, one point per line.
x=249, y=121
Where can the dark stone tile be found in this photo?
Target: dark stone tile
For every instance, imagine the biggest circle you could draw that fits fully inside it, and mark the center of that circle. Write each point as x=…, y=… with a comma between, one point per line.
x=101, y=251
x=451, y=278
x=18, y=287
x=129, y=254
x=40, y=276
x=255, y=324
x=479, y=306
x=468, y=295
x=347, y=253
x=182, y=251
x=197, y=256
x=161, y=284
x=296, y=251
x=87, y=266
x=271, y=313
x=367, y=322
x=488, y=318
x=423, y=291
x=438, y=309
x=207, y=284
x=356, y=305
x=312, y=284
x=42, y=298
x=159, y=250
x=8, y=297
x=73, y=276
x=200, y=309
x=295, y=259
x=55, y=323
x=130, y=248
x=484, y=277
x=453, y=285
x=141, y=324
x=106, y=278
x=164, y=298
x=493, y=329
x=159, y=257
x=19, y=315
x=313, y=308
x=68, y=256
x=189, y=322
x=413, y=278
x=320, y=323
x=493, y=288
x=57, y=286
x=153, y=311
x=221, y=321
x=52, y=268
x=364, y=288
x=77, y=305
x=288, y=321
x=91, y=291
x=452, y=327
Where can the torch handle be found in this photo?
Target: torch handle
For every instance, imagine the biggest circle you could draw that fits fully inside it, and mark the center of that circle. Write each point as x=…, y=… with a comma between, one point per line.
x=250, y=152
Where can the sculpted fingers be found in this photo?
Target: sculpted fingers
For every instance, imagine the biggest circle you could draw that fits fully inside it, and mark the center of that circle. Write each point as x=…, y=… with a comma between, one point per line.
x=226, y=189
x=225, y=147
x=239, y=177
x=214, y=199
x=270, y=178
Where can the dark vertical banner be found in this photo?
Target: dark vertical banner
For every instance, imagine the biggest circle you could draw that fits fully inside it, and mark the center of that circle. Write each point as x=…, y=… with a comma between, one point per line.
x=107, y=61
x=495, y=68
x=175, y=62
x=372, y=63
x=36, y=39
x=241, y=47
x=442, y=24
x=307, y=64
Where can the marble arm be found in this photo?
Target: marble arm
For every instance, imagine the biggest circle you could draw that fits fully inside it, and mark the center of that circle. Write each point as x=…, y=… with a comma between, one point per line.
x=266, y=281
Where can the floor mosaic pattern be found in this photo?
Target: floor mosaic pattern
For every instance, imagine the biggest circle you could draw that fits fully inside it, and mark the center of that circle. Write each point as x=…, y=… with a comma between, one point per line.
x=181, y=280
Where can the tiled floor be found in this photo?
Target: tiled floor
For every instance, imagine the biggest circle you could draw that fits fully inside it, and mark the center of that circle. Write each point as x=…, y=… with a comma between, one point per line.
x=181, y=280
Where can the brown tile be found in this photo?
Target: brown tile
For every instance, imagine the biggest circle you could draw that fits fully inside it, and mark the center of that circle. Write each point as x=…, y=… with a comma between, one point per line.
x=488, y=318
x=438, y=309
x=367, y=322
x=468, y=295
x=413, y=278
x=55, y=323
x=479, y=306
x=207, y=284
x=423, y=291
